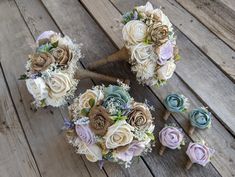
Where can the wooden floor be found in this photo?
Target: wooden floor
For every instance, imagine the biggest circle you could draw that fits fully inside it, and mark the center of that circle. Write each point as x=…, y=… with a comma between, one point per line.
x=33, y=145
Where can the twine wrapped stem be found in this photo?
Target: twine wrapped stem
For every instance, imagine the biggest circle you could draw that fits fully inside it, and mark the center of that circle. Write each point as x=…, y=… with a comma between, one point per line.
x=83, y=74
x=120, y=55
x=188, y=165
x=166, y=115
x=162, y=150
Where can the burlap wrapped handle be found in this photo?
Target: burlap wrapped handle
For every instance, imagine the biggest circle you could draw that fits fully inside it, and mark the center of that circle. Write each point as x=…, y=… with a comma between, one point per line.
x=84, y=74
x=120, y=55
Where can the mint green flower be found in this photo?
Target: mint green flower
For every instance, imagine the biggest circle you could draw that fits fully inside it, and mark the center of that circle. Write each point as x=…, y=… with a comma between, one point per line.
x=176, y=103
x=116, y=99
x=200, y=118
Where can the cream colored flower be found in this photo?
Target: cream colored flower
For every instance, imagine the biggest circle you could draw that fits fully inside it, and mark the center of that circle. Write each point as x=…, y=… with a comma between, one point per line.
x=142, y=52
x=92, y=152
x=59, y=84
x=37, y=88
x=134, y=32
x=148, y=8
x=166, y=71
x=119, y=134
x=89, y=94
x=165, y=21
x=144, y=70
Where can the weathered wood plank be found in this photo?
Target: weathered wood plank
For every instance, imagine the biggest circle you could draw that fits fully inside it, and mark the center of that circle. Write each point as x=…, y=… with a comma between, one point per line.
x=189, y=69
x=229, y=3
x=216, y=134
x=217, y=16
x=16, y=158
x=209, y=43
x=43, y=128
x=93, y=36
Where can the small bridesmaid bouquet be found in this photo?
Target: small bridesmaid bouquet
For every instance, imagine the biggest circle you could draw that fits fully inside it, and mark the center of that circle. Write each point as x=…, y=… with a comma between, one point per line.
x=175, y=103
x=199, y=118
x=171, y=137
x=53, y=73
x=198, y=153
x=105, y=123
x=150, y=45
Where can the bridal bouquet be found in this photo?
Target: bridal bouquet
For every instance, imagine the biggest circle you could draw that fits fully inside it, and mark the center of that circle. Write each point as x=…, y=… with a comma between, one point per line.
x=51, y=69
x=150, y=40
x=107, y=124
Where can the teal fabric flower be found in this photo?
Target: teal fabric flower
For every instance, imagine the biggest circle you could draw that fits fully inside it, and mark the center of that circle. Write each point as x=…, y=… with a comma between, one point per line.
x=175, y=103
x=116, y=99
x=200, y=118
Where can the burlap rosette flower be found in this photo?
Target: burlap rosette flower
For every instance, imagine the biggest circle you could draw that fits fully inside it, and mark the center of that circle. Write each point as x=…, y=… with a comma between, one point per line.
x=150, y=45
x=105, y=123
x=171, y=137
x=198, y=153
x=175, y=103
x=53, y=71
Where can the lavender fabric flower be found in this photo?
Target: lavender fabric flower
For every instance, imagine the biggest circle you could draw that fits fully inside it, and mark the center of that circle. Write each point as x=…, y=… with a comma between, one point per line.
x=200, y=118
x=199, y=153
x=85, y=134
x=45, y=35
x=175, y=103
x=165, y=52
x=171, y=137
x=134, y=149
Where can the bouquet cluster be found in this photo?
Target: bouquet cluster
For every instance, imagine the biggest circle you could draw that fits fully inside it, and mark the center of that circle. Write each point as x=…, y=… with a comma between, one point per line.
x=150, y=40
x=107, y=124
x=51, y=70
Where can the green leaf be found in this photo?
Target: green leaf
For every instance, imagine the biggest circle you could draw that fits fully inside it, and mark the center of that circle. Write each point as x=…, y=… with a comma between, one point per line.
x=119, y=117
x=85, y=111
x=177, y=57
x=43, y=103
x=150, y=135
x=44, y=48
x=92, y=102
x=55, y=44
x=23, y=77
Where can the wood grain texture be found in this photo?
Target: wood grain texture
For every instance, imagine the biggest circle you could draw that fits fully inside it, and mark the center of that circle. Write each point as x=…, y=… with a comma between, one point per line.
x=216, y=15
x=53, y=154
x=191, y=71
x=221, y=54
x=94, y=36
x=16, y=158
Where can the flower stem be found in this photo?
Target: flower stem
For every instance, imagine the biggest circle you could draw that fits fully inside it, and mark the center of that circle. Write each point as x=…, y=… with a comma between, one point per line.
x=83, y=74
x=120, y=55
x=191, y=130
x=188, y=165
x=166, y=115
x=162, y=150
